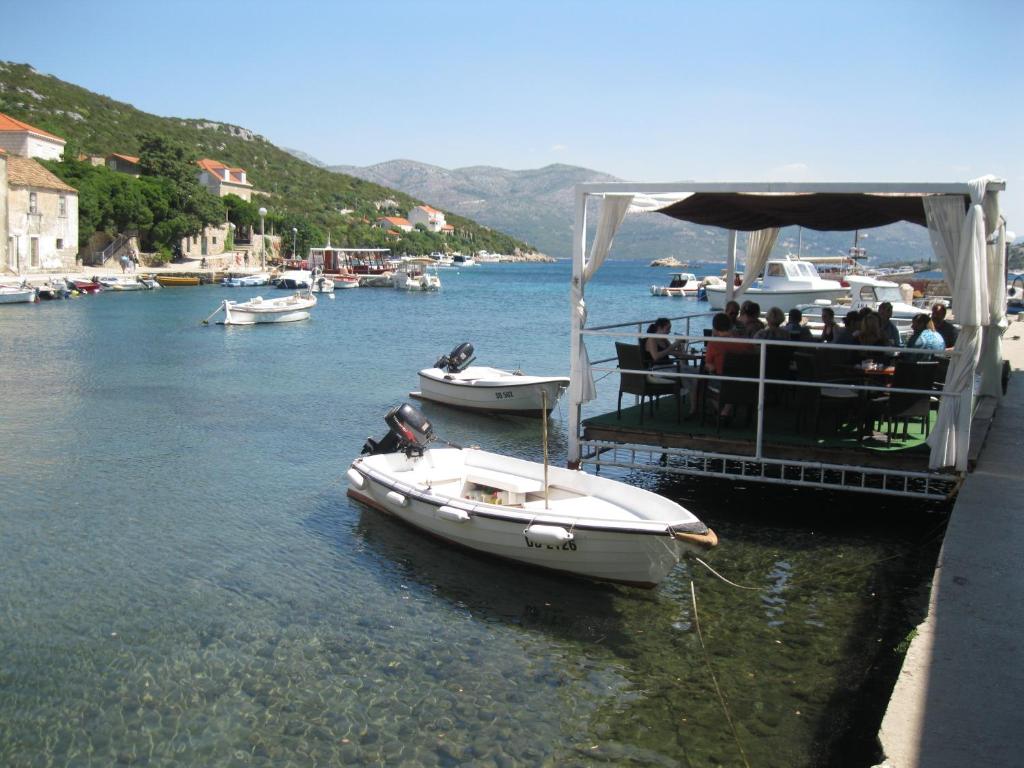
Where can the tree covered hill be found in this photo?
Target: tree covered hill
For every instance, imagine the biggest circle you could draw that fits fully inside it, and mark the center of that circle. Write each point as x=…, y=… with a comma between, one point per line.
x=333, y=203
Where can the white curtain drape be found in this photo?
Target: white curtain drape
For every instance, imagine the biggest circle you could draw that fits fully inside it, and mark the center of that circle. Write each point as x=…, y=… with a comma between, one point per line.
x=759, y=248
x=991, y=363
x=613, y=211
x=960, y=246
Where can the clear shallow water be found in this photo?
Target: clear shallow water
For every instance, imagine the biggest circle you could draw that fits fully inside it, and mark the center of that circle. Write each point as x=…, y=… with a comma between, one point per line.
x=184, y=582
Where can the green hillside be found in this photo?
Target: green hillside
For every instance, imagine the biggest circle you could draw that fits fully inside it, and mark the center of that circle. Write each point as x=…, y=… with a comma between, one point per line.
x=296, y=191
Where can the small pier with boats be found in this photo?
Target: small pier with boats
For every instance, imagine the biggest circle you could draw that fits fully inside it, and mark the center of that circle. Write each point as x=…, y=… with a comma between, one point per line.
x=856, y=418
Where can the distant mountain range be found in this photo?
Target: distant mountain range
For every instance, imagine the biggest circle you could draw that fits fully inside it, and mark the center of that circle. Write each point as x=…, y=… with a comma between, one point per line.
x=537, y=206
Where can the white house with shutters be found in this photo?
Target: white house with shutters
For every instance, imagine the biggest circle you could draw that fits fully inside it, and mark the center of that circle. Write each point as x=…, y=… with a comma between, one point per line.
x=431, y=218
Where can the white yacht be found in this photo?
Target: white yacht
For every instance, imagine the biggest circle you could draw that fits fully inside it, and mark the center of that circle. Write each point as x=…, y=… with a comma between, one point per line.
x=784, y=284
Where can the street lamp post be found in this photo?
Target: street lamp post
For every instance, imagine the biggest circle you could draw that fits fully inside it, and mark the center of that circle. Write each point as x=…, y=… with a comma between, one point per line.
x=263, y=240
x=295, y=234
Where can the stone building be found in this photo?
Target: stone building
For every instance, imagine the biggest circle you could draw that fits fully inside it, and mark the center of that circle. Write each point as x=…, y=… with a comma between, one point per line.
x=42, y=218
x=3, y=212
x=222, y=180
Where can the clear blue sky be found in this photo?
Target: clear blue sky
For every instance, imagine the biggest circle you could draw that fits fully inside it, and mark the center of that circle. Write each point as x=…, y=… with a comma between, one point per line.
x=903, y=90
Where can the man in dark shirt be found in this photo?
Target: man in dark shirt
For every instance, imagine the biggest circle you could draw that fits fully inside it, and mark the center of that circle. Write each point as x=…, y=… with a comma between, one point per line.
x=888, y=326
x=851, y=323
x=797, y=330
x=945, y=328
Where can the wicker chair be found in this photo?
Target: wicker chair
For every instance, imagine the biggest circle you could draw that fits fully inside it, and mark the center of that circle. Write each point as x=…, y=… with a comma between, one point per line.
x=648, y=387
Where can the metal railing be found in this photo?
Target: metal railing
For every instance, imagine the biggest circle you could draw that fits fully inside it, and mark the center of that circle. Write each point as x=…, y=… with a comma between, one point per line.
x=924, y=482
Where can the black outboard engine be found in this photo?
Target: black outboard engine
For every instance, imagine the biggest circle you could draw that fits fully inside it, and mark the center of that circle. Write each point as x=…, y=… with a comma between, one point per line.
x=410, y=431
x=456, y=360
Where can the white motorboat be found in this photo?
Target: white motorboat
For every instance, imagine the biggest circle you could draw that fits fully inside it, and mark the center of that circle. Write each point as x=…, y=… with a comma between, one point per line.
x=120, y=283
x=416, y=275
x=246, y=281
x=294, y=279
x=17, y=294
x=559, y=519
x=869, y=292
x=463, y=260
x=345, y=280
x=453, y=381
x=150, y=283
x=786, y=283
x=256, y=310
x=680, y=284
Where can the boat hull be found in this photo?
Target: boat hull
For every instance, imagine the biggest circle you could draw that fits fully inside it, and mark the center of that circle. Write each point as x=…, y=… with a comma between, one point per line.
x=169, y=281
x=784, y=300
x=253, y=312
x=18, y=296
x=490, y=390
x=660, y=290
x=629, y=552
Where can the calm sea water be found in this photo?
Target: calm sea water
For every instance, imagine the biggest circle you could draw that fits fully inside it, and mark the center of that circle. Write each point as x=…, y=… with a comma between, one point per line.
x=184, y=582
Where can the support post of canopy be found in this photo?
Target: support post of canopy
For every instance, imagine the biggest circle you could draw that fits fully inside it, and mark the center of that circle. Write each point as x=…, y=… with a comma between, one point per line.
x=579, y=248
x=730, y=268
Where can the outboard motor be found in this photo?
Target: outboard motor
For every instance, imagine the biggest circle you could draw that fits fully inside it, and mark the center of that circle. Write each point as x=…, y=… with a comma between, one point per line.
x=410, y=432
x=456, y=360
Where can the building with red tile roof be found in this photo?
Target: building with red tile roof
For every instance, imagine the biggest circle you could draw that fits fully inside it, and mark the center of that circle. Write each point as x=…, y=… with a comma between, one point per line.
x=393, y=222
x=41, y=218
x=20, y=138
x=431, y=218
x=123, y=164
x=223, y=180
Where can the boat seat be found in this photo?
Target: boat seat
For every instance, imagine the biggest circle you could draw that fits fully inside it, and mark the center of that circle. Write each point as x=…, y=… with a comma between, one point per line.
x=502, y=480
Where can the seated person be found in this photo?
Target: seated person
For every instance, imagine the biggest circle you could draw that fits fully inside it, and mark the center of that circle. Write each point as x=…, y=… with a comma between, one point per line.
x=774, y=330
x=925, y=336
x=829, y=329
x=795, y=327
x=945, y=329
x=888, y=326
x=732, y=309
x=851, y=325
x=750, y=319
x=721, y=326
x=870, y=333
x=658, y=352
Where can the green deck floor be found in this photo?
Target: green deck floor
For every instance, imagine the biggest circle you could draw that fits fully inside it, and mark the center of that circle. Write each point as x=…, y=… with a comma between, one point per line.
x=780, y=429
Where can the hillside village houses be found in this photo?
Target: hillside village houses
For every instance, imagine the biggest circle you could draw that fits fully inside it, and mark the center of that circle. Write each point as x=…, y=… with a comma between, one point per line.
x=220, y=180
x=431, y=219
x=39, y=211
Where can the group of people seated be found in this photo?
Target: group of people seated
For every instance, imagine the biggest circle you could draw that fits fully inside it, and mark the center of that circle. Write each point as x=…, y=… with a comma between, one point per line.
x=864, y=327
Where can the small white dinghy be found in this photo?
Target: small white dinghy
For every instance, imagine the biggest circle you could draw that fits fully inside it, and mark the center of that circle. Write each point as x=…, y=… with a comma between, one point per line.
x=453, y=381
x=559, y=519
x=17, y=294
x=285, y=309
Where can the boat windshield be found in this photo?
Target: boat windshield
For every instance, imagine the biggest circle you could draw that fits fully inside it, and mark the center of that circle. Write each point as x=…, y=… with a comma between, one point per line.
x=888, y=293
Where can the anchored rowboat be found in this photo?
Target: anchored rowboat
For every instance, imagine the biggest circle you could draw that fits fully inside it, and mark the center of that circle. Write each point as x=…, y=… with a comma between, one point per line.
x=259, y=310
x=559, y=519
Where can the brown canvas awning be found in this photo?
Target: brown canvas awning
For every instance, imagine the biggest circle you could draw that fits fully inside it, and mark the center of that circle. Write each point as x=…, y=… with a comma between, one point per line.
x=822, y=211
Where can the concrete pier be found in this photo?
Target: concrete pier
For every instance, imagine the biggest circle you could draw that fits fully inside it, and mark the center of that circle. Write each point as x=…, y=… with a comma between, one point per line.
x=959, y=698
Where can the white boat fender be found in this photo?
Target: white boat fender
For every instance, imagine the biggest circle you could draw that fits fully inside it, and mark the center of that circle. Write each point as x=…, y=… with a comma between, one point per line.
x=356, y=478
x=397, y=498
x=454, y=514
x=549, y=534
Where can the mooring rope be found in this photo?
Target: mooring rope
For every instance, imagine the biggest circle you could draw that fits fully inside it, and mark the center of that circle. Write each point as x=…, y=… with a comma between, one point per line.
x=730, y=583
x=711, y=671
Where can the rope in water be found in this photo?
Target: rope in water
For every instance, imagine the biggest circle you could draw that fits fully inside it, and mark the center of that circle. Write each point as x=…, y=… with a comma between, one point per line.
x=730, y=583
x=714, y=680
